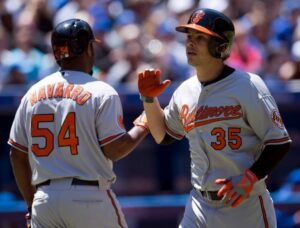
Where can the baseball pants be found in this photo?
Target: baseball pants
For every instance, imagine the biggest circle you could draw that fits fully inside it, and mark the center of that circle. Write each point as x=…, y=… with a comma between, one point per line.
x=256, y=211
x=61, y=204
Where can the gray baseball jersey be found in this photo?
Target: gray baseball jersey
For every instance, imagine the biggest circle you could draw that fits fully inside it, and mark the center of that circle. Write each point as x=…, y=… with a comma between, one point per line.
x=63, y=121
x=227, y=124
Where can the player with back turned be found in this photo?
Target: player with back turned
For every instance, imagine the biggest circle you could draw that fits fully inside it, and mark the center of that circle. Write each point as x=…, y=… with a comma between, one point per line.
x=235, y=132
x=66, y=134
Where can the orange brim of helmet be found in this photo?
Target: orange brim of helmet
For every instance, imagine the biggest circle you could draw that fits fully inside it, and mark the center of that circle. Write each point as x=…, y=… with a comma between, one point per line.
x=199, y=28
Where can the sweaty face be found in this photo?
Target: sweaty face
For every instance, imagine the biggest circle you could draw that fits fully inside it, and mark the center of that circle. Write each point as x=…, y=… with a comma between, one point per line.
x=197, y=48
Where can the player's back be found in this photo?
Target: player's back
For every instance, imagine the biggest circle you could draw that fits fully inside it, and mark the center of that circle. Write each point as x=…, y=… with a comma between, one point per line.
x=66, y=124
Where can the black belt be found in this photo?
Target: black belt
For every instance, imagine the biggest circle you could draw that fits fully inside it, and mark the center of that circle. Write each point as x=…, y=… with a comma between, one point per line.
x=212, y=195
x=75, y=181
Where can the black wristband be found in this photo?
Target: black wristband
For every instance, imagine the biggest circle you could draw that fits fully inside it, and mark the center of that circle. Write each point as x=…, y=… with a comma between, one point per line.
x=147, y=99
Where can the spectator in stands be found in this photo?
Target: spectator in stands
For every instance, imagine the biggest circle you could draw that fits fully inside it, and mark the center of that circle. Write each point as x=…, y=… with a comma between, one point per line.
x=170, y=59
x=15, y=76
x=272, y=65
x=4, y=45
x=244, y=54
x=24, y=55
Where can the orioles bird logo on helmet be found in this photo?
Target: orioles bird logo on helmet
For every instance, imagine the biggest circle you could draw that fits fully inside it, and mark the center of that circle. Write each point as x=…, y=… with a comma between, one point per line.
x=197, y=16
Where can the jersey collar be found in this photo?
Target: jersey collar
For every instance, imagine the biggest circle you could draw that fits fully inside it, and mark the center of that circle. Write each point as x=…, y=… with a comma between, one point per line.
x=227, y=70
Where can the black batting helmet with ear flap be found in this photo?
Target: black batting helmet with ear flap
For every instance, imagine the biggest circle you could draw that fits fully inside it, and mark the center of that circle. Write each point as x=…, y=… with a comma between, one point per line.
x=70, y=38
x=215, y=24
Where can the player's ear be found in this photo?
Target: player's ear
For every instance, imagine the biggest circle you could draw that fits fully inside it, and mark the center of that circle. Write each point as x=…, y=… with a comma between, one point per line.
x=90, y=49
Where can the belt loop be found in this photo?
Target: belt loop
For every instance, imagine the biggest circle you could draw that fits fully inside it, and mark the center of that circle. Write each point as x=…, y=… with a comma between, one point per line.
x=104, y=184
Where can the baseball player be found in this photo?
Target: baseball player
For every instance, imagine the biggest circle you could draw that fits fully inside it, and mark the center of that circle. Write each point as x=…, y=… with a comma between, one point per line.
x=235, y=132
x=66, y=134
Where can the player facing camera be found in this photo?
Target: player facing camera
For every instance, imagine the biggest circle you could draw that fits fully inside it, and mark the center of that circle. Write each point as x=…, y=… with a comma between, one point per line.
x=215, y=24
x=235, y=132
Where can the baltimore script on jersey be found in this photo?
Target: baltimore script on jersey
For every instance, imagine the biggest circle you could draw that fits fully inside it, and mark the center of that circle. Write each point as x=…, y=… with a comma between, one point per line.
x=206, y=114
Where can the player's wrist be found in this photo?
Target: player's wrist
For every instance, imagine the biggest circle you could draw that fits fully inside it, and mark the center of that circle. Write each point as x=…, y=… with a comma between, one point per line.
x=144, y=126
x=148, y=99
x=141, y=121
x=251, y=176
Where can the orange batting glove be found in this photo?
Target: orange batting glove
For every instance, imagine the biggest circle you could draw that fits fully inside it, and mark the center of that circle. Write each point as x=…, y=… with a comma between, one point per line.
x=149, y=84
x=236, y=188
x=141, y=121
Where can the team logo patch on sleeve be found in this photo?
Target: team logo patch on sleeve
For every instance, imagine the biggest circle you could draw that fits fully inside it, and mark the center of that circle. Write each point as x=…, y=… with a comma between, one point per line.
x=277, y=120
x=121, y=122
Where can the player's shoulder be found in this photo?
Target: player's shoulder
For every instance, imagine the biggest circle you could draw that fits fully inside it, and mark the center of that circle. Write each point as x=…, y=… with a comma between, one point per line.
x=248, y=79
x=90, y=84
x=186, y=87
x=100, y=88
x=190, y=82
x=49, y=79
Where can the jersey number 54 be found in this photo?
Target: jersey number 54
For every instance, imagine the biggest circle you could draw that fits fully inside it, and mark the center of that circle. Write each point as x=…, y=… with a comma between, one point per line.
x=66, y=136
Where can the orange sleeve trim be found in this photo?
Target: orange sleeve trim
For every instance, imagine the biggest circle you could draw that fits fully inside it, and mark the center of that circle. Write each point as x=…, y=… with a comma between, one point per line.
x=285, y=139
x=17, y=145
x=173, y=134
x=111, y=138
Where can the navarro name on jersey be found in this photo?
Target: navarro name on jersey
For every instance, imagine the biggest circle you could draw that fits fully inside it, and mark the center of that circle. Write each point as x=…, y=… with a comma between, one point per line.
x=60, y=90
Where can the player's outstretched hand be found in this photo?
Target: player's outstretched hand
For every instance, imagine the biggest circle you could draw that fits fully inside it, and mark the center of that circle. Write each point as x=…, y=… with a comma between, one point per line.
x=149, y=84
x=141, y=121
x=236, y=188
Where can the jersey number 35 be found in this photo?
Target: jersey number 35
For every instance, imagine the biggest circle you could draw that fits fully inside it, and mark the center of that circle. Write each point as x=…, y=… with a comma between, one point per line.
x=223, y=138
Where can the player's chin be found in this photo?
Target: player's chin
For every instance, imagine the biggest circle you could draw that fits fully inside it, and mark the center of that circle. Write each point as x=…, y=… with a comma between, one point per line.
x=192, y=61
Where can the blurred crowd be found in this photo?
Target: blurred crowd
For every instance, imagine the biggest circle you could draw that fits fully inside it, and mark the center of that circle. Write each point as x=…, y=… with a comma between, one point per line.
x=139, y=34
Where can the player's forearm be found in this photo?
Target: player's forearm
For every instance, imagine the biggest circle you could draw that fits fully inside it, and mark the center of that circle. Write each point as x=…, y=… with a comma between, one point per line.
x=123, y=146
x=22, y=173
x=155, y=119
x=269, y=158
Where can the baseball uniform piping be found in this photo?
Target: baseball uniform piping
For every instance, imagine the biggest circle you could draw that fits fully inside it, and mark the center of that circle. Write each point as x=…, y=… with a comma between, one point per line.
x=285, y=139
x=115, y=207
x=172, y=133
x=109, y=139
x=263, y=210
x=17, y=145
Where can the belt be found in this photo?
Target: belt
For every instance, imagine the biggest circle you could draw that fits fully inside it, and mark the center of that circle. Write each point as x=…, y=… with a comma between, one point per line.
x=75, y=181
x=211, y=195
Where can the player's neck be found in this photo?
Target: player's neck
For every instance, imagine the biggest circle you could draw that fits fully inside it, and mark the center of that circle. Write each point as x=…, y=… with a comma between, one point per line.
x=209, y=72
x=76, y=66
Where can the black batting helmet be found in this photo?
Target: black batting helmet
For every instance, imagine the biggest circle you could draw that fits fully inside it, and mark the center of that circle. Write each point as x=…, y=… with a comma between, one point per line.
x=215, y=24
x=70, y=38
